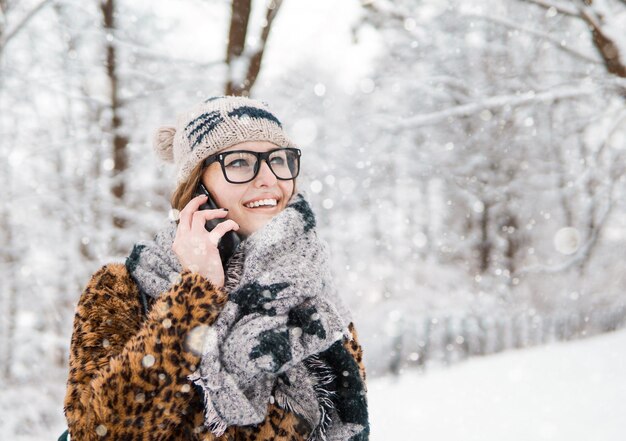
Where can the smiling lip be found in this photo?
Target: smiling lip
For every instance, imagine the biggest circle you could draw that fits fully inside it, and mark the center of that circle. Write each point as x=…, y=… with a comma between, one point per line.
x=275, y=198
x=262, y=207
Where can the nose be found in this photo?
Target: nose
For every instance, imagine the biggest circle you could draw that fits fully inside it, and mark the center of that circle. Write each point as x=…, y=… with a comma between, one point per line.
x=265, y=176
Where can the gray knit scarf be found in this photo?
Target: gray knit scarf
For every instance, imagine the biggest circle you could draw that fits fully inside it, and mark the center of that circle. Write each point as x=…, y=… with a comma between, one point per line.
x=278, y=337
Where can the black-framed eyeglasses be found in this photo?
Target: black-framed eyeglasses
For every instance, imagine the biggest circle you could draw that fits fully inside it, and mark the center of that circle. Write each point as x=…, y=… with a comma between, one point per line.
x=241, y=166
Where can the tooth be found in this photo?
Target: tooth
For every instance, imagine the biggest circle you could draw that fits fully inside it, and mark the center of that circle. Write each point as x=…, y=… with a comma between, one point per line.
x=269, y=202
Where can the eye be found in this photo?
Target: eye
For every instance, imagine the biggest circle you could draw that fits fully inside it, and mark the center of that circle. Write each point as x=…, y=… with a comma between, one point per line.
x=277, y=160
x=238, y=163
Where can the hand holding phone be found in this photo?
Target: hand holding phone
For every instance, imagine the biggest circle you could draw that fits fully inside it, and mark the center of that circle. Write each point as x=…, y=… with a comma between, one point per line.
x=202, y=251
x=230, y=240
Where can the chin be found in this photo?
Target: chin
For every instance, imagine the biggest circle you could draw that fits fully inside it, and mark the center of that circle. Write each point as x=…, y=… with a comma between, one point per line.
x=256, y=221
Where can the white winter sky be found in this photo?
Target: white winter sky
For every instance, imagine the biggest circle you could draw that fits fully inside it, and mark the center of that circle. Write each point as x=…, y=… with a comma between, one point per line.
x=319, y=31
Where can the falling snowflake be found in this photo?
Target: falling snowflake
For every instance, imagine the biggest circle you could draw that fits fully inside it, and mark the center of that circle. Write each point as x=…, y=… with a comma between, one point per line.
x=148, y=361
x=316, y=186
x=319, y=89
x=174, y=214
x=567, y=240
x=101, y=430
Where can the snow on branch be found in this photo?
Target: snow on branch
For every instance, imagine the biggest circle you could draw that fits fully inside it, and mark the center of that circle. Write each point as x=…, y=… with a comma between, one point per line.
x=543, y=35
x=557, y=6
x=18, y=27
x=607, y=45
x=490, y=103
x=386, y=9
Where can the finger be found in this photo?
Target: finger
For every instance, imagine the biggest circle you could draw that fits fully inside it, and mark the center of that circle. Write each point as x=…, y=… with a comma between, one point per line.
x=223, y=228
x=200, y=217
x=191, y=207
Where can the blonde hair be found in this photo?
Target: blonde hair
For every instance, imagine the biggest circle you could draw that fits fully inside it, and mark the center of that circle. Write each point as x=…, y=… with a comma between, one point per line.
x=186, y=190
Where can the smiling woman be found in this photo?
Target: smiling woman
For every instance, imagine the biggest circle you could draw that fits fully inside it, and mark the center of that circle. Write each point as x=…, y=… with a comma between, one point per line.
x=265, y=185
x=184, y=343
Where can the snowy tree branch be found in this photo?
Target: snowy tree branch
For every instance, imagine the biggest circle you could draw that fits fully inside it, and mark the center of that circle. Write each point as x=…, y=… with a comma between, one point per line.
x=559, y=7
x=544, y=36
x=385, y=9
x=606, y=45
x=22, y=23
x=489, y=103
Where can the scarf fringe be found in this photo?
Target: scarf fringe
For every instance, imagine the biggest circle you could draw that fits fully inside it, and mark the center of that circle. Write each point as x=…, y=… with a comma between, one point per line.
x=212, y=419
x=325, y=377
x=234, y=268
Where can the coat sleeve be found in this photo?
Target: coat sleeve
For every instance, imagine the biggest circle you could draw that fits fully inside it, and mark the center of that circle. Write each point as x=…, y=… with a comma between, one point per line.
x=127, y=376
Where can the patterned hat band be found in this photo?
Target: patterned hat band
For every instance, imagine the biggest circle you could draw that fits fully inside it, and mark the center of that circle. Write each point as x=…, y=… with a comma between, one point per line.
x=214, y=125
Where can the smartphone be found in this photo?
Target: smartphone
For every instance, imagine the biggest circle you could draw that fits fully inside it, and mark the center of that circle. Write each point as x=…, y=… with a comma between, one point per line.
x=229, y=241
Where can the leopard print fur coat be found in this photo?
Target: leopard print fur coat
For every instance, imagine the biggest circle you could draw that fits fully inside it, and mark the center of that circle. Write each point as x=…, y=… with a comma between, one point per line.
x=129, y=364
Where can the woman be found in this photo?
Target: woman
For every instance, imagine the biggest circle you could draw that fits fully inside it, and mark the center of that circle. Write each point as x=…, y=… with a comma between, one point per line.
x=190, y=340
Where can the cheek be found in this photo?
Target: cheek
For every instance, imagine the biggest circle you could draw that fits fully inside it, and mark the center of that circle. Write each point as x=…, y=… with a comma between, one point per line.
x=225, y=194
x=287, y=189
x=227, y=198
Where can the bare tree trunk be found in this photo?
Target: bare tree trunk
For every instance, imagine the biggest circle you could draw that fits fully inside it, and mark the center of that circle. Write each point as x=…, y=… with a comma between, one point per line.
x=3, y=8
x=484, y=247
x=7, y=291
x=513, y=242
x=120, y=142
x=559, y=163
x=239, y=58
x=7, y=288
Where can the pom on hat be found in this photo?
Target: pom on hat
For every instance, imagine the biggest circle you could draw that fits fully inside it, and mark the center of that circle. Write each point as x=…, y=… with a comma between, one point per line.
x=164, y=143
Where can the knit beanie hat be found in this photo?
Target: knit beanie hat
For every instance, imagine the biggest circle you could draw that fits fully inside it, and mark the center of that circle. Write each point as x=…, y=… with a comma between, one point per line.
x=216, y=124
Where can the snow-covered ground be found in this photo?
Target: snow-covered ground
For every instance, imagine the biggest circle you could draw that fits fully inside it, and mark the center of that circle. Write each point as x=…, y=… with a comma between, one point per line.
x=572, y=391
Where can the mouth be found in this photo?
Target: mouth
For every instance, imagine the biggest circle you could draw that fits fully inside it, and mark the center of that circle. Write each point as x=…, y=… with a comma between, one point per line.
x=262, y=205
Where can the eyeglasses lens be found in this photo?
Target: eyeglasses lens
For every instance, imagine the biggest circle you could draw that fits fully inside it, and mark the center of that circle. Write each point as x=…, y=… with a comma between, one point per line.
x=240, y=166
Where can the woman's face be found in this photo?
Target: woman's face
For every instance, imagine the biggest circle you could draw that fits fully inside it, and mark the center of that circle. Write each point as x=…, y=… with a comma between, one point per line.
x=233, y=196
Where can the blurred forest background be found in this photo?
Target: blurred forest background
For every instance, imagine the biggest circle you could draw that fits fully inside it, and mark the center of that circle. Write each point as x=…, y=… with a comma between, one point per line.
x=467, y=161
